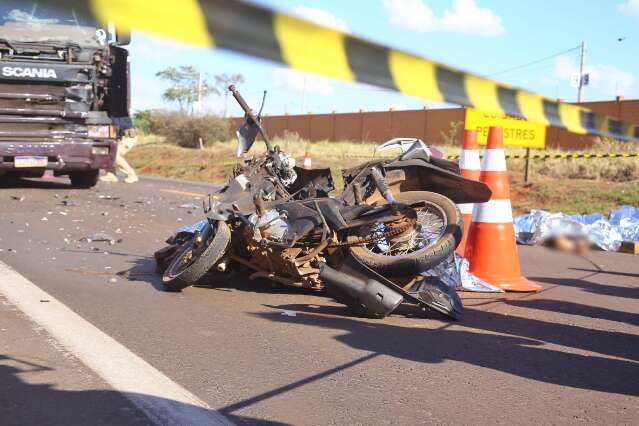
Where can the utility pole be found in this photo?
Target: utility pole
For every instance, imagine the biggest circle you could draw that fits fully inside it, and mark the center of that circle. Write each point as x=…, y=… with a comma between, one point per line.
x=582, y=65
x=199, y=94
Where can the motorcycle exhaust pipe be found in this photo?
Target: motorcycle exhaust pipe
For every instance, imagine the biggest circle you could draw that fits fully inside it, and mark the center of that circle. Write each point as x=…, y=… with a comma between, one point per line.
x=366, y=297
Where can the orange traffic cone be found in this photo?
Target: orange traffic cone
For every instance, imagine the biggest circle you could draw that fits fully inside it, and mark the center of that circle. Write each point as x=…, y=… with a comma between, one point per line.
x=491, y=248
x=470, y=168
x=307, y=165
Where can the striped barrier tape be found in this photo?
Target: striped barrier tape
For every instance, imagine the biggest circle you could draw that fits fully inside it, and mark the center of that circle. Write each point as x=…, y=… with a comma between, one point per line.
x=557, y=156
x=300, y=44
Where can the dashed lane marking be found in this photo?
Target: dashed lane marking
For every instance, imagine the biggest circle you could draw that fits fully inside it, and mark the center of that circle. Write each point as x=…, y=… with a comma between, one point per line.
x=163, y=401
x=177, y=191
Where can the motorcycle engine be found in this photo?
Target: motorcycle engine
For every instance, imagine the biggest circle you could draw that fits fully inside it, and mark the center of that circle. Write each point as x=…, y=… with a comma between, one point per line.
x=280, y=261
x=271, y=225
x=287, y=170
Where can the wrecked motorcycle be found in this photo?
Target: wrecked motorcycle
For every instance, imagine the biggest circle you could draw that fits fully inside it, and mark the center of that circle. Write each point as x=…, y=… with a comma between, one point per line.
x=395, y=219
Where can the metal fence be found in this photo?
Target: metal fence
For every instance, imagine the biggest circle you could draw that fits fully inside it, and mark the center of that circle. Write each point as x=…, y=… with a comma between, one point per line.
x=431, y=125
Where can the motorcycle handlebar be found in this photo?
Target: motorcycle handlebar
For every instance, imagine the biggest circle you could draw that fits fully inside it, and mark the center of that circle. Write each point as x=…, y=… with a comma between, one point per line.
x=240, y=100
x=249, y=113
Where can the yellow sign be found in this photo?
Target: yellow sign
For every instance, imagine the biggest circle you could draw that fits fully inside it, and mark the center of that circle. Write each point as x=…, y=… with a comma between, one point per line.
x=517, y=131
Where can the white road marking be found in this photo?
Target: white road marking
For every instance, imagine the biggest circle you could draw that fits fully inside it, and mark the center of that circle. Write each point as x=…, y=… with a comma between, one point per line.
x=162, y=400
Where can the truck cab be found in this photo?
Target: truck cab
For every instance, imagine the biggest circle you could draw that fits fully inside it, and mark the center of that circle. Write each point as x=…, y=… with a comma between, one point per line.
x=64, y=92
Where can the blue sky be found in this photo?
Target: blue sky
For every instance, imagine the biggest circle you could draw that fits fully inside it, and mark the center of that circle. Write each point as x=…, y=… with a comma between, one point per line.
x=481, y=36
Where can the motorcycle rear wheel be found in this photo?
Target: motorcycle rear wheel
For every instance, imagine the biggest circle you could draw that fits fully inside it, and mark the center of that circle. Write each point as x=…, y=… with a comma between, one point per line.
x=383, y=259
x=191, y=263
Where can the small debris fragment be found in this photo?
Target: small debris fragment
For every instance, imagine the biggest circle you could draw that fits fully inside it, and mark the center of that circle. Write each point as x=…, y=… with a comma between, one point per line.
x=70, y=203
x=113, y=280
x=191, y=206
x=108, y=197
x=44, y=300
x=63, y=213
x=289, y=313
x=18, y=197
x=99, y=237
x=44, y=219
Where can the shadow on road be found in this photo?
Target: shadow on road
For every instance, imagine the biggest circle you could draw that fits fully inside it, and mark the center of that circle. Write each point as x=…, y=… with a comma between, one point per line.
x=604, y=289
x=34, y=184
x=521, y=352
x=42, y=404
x=143, y=270
x=572, y=308
x=601, y=271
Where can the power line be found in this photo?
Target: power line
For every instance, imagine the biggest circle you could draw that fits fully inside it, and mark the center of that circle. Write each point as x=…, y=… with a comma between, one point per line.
x=534, y=62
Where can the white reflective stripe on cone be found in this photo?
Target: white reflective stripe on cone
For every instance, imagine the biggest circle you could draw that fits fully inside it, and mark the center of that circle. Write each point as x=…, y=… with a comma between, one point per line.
x=493, y=211
x=466, y=208
x=494, y=160
x=469, y=159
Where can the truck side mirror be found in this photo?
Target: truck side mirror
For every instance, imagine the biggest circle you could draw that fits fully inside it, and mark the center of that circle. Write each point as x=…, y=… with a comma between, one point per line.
x=122, y=38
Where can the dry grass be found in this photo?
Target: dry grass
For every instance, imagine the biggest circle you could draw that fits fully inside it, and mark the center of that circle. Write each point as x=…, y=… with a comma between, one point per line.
x=213, y=163
x=571, y=186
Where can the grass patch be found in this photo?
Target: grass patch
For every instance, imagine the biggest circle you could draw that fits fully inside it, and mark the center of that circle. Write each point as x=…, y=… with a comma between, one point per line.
x=570, y=186
x=571, y=196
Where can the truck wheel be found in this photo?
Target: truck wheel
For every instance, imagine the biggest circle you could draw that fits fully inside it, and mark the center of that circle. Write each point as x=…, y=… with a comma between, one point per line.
x=84, y=179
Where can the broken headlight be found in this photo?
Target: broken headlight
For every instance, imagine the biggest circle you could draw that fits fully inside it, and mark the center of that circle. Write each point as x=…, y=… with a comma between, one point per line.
x=101, y=131
x=100, y=150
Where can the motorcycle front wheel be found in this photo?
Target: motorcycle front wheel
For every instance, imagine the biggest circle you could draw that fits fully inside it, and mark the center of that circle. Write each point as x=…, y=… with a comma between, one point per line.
x=437, y=232
x=192, y=260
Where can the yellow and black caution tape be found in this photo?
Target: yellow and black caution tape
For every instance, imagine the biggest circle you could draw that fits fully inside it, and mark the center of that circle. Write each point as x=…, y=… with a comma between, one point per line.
x=558, y=156
x=257, y=31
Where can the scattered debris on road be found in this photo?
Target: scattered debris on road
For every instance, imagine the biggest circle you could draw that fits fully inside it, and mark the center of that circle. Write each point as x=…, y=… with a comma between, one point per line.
x=108, y=197
x=101, y=237
x=191, y=206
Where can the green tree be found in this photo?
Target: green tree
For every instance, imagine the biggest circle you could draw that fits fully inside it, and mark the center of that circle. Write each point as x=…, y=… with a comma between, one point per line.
x=187, y=86
x=222, y=82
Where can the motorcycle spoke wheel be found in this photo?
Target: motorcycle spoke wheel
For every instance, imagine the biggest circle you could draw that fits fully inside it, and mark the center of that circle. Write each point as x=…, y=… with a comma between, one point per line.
x=184, y=258
x=429, y=227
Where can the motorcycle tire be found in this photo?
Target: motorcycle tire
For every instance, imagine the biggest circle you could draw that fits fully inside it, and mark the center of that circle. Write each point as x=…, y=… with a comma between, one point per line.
x=425, y=258
x=176, y=277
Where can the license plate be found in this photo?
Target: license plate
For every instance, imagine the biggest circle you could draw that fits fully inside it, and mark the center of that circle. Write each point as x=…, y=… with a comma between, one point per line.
x=30, y=162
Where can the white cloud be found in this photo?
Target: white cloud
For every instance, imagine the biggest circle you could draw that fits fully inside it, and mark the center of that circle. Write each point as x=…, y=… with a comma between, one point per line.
x=608, y=79
x=464, y=17
x=321, y=17
x=290, y=79
x=630, y=8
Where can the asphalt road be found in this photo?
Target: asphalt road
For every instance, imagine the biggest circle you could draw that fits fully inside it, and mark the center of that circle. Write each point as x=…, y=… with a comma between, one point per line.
x=568, y=355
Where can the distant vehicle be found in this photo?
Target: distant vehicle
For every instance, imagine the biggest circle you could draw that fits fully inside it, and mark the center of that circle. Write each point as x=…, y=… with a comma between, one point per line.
x=64, y=85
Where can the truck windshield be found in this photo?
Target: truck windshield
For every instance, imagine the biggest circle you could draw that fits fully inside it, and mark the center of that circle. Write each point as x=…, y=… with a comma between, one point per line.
x=28, y=21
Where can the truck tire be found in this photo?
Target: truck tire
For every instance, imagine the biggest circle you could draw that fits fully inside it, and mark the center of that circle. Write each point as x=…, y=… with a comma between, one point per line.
x=84, y=179
x=423, y=259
